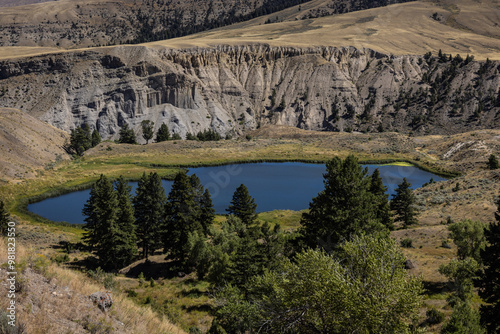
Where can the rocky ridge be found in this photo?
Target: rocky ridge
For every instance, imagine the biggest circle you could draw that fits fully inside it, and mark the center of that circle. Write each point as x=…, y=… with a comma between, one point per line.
x=231, y=89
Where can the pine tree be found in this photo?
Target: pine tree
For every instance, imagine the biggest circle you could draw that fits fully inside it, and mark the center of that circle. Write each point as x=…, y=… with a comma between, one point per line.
x=4, y=218
x=207, y=213
x=149, y=204
x=402, y=202
x=127, y=136
x=100, y=211
x=163, y=134
x=489, y=284
x=96, y=138
x=80, y=140
x=147, y=130
x=181, y=216
x=383, y=210
x=126, y=243
x=243, y=205
x=345, y=207
x=203, y=202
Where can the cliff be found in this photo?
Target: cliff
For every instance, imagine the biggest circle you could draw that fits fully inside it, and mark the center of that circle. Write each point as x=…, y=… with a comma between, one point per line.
x=234, y=88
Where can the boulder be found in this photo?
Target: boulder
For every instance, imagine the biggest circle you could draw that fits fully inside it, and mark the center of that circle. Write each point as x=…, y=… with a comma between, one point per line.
x=103, y=300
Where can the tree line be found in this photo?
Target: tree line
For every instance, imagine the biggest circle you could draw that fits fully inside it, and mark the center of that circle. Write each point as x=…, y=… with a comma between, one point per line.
x=82, y=139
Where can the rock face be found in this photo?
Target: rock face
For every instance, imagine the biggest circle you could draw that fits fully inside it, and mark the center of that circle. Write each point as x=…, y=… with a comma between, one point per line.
x=231, y=89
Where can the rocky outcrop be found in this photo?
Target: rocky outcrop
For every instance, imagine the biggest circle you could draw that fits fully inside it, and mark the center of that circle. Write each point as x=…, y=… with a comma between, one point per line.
x=230, y=89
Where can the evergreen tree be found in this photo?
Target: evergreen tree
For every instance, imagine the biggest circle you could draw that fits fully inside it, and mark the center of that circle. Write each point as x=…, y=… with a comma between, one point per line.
x=147, y=130
x=345, y=207
x=149, y=204
x=80, y=140
x=126, y=245
x=96, y=138
x=4, y=218
x=493, y=162
x=207, y=214
x=489, y=284
x=464, y=320
x=101, y=213
x=181, y=217
x=203, y=203
x=383, y=210
x=127, y=136
x=243, y=205
x=402, y=202
x=163, y=134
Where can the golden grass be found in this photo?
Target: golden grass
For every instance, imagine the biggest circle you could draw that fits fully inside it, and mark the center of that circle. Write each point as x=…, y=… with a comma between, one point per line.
x=397, y=29
x=137, y=319
x=468, y=28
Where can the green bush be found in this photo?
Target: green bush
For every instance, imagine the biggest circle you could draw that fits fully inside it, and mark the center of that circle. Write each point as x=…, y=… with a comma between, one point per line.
x=434, y=316
x=407, y=243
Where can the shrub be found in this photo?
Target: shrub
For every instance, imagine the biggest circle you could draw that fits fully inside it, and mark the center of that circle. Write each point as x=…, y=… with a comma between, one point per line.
x=6, y=328
x=434, y=316
x=407, y=243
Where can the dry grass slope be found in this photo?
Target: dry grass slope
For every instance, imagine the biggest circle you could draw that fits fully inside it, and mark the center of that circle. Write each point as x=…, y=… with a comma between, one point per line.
x=397, y=29
x=27, y=144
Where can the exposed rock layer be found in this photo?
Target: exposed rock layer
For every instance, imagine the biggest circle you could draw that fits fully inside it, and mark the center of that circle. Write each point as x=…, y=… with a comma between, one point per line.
x=230, y=89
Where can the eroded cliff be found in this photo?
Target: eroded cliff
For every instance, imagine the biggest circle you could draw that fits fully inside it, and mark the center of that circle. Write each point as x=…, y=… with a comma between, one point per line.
x=230, y=89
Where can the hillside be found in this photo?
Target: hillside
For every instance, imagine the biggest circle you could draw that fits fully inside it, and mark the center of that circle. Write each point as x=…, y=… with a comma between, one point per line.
x=73, y=24
x=27, y=144
x=464, y=27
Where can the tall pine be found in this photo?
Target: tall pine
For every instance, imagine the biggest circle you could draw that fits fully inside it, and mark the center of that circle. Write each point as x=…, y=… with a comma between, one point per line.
x=126, y=240
x=163, y=133
x=243, y=205
x=4, y=218
x=96, y=138
x=403, y=203
x=203, y=203
x=489, y=284
x=149, y=204
x=101, y=213
x=345, y=207
x=181, y=216
x=383, y=210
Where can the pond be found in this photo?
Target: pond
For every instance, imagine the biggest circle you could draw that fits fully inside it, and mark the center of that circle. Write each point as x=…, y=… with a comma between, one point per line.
x=275, y=186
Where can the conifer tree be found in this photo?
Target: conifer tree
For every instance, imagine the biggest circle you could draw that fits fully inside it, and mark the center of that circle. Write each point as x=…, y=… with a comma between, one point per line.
x=383, y=210
x=181, y=217
x=243, y=205
x=345, y=208
x=147, y=130
x=149, y=204
x=203, y=203
x=126, y=243
x=127, y=135
x=100, y=211
x=4, y=218
x=489, y=284
x=163, y=134
x=207, y=213
x=402, y=202
x=80, y=140
x=96, y=138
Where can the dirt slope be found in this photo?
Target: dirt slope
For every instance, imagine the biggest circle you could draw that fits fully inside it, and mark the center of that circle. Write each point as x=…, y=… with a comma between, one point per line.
x=27, y=144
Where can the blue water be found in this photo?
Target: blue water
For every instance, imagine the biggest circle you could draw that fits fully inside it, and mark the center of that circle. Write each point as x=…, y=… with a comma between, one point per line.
x=275, y=186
